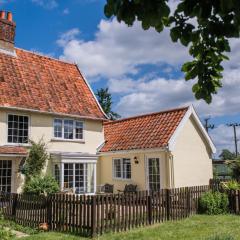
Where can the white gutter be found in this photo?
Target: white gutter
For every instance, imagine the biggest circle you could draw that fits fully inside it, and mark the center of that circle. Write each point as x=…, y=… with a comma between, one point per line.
x=12, y=155
x=146, y=150
x=50, y=113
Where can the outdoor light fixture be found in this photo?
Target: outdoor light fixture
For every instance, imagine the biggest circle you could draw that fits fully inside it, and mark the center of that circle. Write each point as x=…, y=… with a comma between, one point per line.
x=136, y=160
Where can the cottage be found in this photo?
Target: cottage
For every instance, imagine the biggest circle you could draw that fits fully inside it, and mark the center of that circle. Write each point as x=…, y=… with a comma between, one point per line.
x=160, y=150
x=41, y=97
x=44, y=98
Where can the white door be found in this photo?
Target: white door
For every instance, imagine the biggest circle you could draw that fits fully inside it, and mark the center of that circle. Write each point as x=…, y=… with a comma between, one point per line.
x=154, y=174
x=5, y=175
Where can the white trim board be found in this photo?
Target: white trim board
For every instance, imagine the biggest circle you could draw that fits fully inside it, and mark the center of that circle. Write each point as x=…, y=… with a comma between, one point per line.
x=88, y=85
x=191, y=112
x=143, y=150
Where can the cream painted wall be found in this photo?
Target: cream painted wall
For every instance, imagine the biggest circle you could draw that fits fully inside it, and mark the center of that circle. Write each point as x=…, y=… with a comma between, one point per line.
x=192, y=163
x=139, y=175
x=41, y=126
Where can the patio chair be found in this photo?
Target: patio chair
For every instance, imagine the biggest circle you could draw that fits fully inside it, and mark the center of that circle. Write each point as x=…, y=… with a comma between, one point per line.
x=107, y=188
x=129, y=188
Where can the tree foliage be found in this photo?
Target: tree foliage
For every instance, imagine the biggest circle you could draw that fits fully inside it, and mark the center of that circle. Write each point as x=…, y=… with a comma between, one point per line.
x=36, y=160
x=105, y=100
x=235, y=168
x=204, y=26
x=227, y=155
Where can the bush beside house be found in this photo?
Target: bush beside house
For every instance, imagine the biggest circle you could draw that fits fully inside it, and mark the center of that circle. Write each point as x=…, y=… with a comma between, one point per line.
x=213, y=203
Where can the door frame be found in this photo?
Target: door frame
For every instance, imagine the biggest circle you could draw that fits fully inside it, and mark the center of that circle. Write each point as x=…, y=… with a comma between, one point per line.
x=147, y=170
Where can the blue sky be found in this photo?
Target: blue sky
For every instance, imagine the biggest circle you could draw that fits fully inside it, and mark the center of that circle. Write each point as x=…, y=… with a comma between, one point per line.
x=142, y=69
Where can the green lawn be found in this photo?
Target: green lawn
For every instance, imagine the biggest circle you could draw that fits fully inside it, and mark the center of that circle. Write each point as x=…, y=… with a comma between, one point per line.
x=197, y=227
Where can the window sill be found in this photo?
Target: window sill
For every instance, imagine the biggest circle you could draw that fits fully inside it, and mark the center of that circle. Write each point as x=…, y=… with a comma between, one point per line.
x=67, y=140
x=19, y=144
x=122, y=179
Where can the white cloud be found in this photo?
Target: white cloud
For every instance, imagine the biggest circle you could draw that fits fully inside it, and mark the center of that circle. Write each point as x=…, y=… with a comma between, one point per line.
x=66, y=11
x=68, y=36
x=48, y=4
x=223, y=138
x=159, y=93
x=118, y=50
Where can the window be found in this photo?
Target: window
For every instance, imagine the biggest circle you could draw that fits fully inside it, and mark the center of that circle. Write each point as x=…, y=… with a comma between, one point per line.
x=68, y=129
x=122, y=168
x=79, y=177
x=18, y=128
x=5, y=175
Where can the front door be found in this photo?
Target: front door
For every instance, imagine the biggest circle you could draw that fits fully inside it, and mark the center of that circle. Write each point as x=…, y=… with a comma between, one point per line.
x=154, y=174
x=5, y=175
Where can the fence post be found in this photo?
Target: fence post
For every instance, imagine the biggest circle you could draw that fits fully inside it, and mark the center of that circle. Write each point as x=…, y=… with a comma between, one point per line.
x=168, y=201
x=14, y=205
x=149, y=208
x=188, y=201
x=49, y=211
x=93, y=217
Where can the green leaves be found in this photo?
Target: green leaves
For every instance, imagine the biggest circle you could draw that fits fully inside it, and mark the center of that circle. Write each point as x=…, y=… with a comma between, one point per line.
x=105, y=100
x=203, y=26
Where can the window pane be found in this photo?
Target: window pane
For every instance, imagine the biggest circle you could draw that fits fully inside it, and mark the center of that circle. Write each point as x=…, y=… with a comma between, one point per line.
x=68, y=129
x=17, y=129
x=79, y=130
x=57, y=128
x=5, y=175
x=80, y=185
x=117, y=168
x=68, y=175
x=126, y=168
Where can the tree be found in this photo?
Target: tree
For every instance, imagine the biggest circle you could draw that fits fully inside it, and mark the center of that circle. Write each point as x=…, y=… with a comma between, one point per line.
x=205, y=26
x=235, y=167
x=36, y=160
x=105, y=100
x=227, y=155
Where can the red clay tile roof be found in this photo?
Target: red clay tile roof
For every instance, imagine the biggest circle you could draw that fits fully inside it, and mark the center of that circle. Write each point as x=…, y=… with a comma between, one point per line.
x=35, y=82
x=142, y=132
x=15, y=150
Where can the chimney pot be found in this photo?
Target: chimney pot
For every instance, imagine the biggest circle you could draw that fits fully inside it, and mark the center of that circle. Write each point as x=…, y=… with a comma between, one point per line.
x=9, y=17
x=2, y=15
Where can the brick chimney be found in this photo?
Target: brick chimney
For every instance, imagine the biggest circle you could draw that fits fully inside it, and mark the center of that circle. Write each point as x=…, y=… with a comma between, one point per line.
x=7, y=32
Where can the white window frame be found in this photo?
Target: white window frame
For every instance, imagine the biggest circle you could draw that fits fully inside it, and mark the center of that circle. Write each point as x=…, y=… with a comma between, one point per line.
x=11, y=176
x=74, y=130
x=147, y=170
x=74, y=167
x=123, y=174
x=29, y=129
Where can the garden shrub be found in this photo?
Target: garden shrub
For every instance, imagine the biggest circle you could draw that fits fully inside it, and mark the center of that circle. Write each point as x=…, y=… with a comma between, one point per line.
x=5, y=234
x=213, y=203
x=221, y=237
x=41, y=186
x=231, y=185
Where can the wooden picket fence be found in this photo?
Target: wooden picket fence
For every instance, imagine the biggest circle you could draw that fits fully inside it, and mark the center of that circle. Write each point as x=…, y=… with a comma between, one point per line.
x=98, y=214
